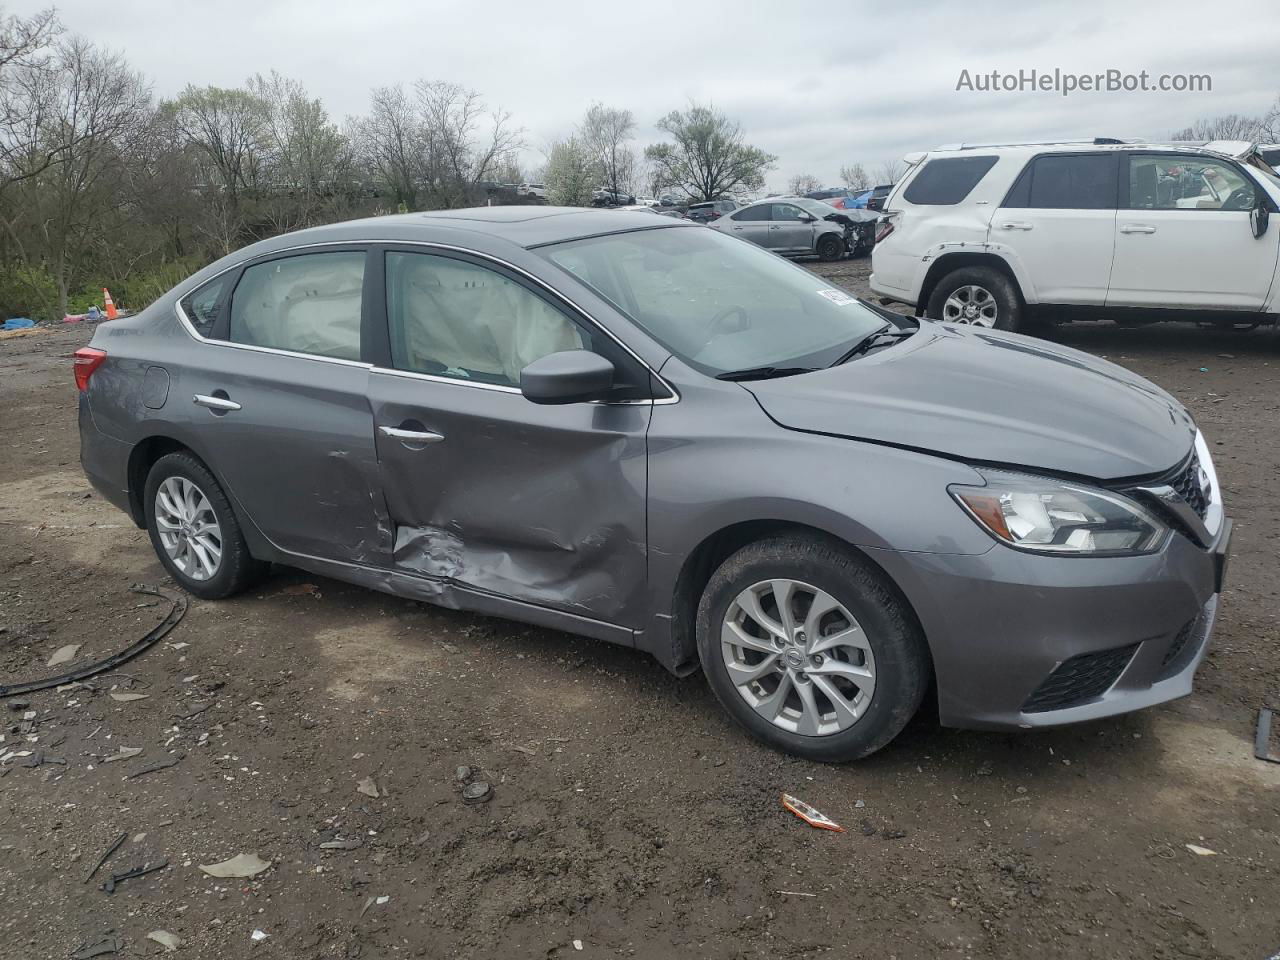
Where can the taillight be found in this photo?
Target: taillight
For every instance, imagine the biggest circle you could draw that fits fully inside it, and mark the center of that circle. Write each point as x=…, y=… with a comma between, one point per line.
x=886, y=228
x=84, y=361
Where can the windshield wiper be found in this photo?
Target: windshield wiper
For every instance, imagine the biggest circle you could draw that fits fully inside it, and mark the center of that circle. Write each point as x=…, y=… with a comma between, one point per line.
x=876, y=338
x=763, y=373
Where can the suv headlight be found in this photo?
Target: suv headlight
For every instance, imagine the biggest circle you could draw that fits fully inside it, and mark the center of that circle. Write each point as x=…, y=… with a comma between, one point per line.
x=1051, y=516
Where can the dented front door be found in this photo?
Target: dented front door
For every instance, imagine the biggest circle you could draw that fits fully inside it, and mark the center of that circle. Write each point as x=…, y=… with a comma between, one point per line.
x=542, y=504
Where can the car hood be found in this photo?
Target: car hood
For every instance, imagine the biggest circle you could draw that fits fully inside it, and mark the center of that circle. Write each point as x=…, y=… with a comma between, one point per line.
x=990, y=397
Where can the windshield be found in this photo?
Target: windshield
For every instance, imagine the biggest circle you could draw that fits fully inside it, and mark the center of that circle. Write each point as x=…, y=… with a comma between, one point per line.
x=718, y=303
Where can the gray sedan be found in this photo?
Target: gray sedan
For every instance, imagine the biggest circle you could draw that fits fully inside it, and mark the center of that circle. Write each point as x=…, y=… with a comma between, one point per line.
x=793, y=226
x=642, y=431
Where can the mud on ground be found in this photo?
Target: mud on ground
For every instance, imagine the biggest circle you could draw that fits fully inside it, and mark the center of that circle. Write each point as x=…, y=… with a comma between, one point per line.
x=627, y=815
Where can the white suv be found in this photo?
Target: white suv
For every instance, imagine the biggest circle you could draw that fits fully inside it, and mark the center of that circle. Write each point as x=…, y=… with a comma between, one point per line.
x=1004, y=236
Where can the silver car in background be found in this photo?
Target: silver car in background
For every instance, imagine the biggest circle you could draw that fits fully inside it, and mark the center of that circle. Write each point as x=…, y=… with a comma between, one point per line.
x=799, y=226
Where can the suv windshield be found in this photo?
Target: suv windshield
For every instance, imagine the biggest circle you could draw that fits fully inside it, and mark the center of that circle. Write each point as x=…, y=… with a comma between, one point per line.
x=716, y=302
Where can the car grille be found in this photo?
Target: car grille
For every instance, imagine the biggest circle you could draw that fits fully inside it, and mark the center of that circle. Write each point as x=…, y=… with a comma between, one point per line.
x=1184, y=647
x=1079, y=680
x=1187, y=483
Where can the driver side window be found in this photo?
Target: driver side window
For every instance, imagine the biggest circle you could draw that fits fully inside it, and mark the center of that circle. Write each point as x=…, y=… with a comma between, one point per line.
x=1187, y=183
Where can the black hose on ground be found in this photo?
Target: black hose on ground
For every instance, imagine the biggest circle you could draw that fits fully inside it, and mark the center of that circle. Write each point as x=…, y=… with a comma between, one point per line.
x=148, y=640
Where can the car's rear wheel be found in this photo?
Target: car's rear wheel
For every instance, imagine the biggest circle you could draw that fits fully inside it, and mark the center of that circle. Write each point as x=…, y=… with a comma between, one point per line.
x=979, y=297
x=808, y=646
x=830, y=247
x=194, y=531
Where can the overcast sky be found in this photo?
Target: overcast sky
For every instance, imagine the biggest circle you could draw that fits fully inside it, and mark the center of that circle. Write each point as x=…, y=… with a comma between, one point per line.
x=817, y=84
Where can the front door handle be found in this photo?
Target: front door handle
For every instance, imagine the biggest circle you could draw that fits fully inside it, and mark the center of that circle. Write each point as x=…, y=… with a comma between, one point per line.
x=411, y=436
x=1016, y=225
x=1137, y=228
x=220, y=404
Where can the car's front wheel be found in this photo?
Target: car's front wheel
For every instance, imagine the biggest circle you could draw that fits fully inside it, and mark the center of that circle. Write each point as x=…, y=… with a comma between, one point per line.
x=808, y=646
x=979, y=297
x=194, y=531
x=830, y=247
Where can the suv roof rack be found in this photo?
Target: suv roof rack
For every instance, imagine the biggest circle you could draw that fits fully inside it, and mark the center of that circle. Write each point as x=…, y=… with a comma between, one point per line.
x=1094, y=141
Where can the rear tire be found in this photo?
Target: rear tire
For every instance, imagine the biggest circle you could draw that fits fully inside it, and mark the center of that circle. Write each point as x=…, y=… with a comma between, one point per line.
x=881, y=672
x=980, y=297
x=194, y=530
x=830, y=247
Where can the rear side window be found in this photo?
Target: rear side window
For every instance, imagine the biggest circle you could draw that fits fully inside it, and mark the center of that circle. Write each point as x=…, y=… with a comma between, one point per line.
x=1057, y=182
x=753, y=213
x=306, y=304
x=947, y=180
x=204, y=304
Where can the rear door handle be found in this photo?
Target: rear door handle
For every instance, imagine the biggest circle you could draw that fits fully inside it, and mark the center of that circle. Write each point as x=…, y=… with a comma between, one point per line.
x=1137, y=228
x=411, y=436
x=221, y=404
x=1016, y=225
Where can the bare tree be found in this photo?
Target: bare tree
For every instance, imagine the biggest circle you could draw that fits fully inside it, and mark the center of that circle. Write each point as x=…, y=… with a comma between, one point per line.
x=464, y=141
x=606, y=133
x=26, y=78
x=855, y=177
x=890, y=171
x=707, y=157
x=1233, y=126
x=392, y=144
x=803, y=183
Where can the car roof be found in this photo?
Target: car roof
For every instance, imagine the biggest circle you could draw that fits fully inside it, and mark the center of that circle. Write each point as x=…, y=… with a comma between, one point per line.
x=1221, y=148
x=526, y=226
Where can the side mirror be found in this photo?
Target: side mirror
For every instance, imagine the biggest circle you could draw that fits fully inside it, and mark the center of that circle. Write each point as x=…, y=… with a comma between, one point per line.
x=808, y=219
x=1259, y=217
x=571, y=376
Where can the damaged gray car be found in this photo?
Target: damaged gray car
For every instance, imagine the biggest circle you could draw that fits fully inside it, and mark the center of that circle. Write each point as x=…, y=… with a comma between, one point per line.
x=657, y=435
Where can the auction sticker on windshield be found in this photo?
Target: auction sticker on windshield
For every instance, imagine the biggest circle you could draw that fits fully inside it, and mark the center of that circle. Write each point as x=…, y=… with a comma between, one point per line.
x=838, y=297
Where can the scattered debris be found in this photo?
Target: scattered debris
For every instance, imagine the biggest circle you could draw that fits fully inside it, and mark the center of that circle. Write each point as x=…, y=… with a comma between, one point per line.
x=241, y=865
x=893, y=834
x=371, y=901
x=115, y=845
x=157, y=766
x=169, y=941
x=368, y=787
x=110, y=944
x=868, y=828
x=258, y=936
x=124, y=753
x=478, y=792
x=1262, y=739
x=796, y=893
x=810, y=815
x=63, y=655
x=131, y=874
x=352, y=844
x=577, y=944
x=462, y=773
x=129, y=697
x=1201, y=851
x=302, y=590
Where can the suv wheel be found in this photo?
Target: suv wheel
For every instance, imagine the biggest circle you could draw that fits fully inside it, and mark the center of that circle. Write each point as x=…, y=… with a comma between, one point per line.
x=977, y=296
x=830, y=247
x=808, y=647
x=194, y=531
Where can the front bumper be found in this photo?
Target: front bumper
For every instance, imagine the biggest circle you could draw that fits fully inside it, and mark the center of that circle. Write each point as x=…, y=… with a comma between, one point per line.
x=1021, y=641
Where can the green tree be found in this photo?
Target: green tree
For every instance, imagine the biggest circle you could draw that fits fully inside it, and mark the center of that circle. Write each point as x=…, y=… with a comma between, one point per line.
x=707, y=157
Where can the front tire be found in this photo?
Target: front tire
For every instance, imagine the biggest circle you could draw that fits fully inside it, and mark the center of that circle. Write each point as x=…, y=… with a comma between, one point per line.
x=979, y=297
x=807, y=645
x=194, y=530
x=830, y=247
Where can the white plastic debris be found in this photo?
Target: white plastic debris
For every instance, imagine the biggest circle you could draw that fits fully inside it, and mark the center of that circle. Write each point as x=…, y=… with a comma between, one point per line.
x=63, y=655
x=257, y=936
x=242, y=865
x=169, y=941
x=1201, y=851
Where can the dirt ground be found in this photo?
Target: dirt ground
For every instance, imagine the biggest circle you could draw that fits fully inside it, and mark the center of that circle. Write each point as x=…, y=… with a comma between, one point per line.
x=627, y=817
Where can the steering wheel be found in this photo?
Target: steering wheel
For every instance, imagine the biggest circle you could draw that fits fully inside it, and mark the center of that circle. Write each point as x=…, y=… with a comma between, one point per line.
x=713, y=328
x=1241, y=198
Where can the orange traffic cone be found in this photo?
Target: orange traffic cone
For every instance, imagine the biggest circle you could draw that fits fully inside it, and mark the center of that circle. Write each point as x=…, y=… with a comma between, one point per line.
x=111, y=307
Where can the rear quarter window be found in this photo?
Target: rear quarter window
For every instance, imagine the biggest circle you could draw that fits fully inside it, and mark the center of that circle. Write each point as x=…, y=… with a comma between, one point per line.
x=203, y=305
x=945, y=181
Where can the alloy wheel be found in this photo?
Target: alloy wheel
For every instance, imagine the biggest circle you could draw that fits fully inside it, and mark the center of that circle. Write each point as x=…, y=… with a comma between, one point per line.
x=188, y=528
x=971, y=304
x=798, y=657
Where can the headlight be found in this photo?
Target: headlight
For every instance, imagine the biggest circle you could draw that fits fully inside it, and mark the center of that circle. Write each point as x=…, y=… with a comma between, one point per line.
x=1049, y=516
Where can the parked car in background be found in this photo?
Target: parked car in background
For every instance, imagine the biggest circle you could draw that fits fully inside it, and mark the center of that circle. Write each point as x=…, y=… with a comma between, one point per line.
x=830, y=193
x=601, y=197
x=878, y=195
x=1271, y=153
x=799, y=226
x=1004, y=236
x=646, y=433
x=668, y=200
x=533, y=191
x=710, y=210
